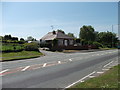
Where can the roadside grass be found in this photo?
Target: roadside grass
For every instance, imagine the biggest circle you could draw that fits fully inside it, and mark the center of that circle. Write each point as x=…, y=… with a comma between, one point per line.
x=20, y=55
x=107, y=80
x=106, y=48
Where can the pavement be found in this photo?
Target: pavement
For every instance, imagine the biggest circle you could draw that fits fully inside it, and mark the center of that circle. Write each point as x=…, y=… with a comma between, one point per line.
x=56, y=70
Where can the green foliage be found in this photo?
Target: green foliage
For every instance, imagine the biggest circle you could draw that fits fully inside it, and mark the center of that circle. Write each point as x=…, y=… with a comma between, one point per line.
x=9, y=37
x=59, y=30
x=12, y=48
x=87, y=33
x=31, y=46
x=30, y=38
x=20, y=55
x=22, y=39
x=71, y=34
x=108, y=39
x=98, y=44
x=77, y=40
x=54, y=42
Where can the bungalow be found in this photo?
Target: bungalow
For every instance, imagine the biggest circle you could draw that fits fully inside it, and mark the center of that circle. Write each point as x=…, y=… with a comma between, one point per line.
x=63, y=40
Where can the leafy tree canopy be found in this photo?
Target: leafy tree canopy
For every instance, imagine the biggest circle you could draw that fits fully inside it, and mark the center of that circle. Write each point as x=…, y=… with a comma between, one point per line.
x=87, y=33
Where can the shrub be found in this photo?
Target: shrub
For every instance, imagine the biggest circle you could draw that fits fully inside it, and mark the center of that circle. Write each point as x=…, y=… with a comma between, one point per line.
x=55, y=42
x=97, y=44
x=31, y=46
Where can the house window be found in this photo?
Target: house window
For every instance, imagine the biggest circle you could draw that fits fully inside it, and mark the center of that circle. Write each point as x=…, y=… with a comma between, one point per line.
x=66, y=42
x=60, y=42
x=71, y=42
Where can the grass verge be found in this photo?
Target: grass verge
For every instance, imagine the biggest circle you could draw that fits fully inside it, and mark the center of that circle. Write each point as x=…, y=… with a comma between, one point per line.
x=20, y=55
x=107, y=48
x=107, y=80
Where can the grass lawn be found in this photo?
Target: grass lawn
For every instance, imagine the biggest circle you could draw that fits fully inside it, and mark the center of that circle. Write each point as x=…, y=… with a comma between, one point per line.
x=107, y=80
x=20, y=55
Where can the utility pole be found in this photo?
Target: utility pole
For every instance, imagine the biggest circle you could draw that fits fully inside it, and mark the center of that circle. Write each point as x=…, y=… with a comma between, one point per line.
x=112, y=36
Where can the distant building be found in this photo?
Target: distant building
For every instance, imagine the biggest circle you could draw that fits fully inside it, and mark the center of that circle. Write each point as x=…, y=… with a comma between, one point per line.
x=62, y=39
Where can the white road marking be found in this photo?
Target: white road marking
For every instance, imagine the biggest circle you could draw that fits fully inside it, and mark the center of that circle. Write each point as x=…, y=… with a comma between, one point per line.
x=105, y=69
x=44, y=64
x=70, y=59
x=80, y=80
x=100, y=72
x=59, y=62
x=4, y=71
x=108, y=64
x=25, y=68
x=91, y=76
x=108, y=67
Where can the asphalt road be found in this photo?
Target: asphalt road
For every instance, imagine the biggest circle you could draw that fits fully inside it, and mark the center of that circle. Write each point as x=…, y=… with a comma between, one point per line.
x=55, y=70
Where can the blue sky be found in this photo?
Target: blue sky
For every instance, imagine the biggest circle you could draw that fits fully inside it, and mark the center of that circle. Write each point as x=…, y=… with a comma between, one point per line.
x=23, y=19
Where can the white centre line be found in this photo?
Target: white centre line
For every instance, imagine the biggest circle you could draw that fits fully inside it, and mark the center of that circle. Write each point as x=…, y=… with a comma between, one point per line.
x=81, y=80
x=25, y=68
x=4, y=71
x=44, y=64
x=59, y=62
x=70, y=59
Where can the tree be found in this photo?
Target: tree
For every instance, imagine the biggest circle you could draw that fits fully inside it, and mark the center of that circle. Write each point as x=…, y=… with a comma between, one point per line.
x=7, y=37
x=22, y=39
x=59, y=30
x=87, y=33
x=14, y=38
x=71, y=34
x=30, y=38
x=108, y=39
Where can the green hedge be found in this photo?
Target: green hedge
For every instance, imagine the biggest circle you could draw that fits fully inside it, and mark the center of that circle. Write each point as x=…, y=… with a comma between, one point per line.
x=12, y=48
x=31, y=46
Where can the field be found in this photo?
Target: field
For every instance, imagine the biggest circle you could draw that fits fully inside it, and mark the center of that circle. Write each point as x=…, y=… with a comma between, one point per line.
x=14, y=51
x=12, y=48
x=20, y=55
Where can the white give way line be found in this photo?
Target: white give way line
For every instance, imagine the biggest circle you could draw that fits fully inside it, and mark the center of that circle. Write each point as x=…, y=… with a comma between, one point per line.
x=4, y=71
x=80, y=80
x=108, y=64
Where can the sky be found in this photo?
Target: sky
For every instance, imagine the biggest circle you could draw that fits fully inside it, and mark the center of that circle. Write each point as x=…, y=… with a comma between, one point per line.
x=23, y=19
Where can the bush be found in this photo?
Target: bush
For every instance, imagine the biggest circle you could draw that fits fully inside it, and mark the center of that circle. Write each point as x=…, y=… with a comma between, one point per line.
x=97, y=44
x=12, y=48
x=31, y=46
